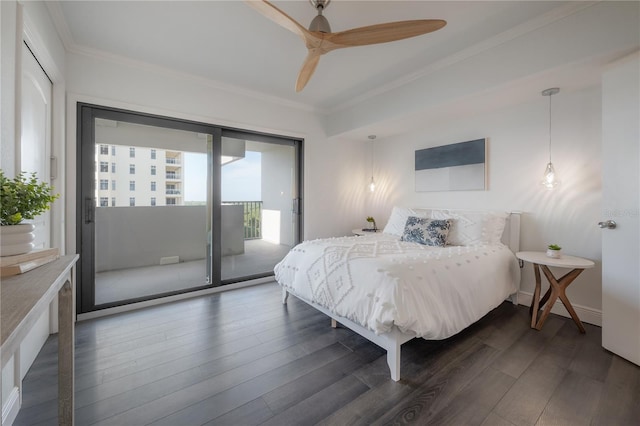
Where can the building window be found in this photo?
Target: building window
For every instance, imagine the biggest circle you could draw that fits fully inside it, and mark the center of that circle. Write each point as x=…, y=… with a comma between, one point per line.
x=132, y=169
x=113, y=185
x=153, y=154
x=132, y=185
x=132, y=201
x=104, y=166
x=132, y=152
x=104, y=149
x=104, y=201
x=153, y=186
x=171, y=201
x=153, y=201
x=113, y=167
x=113, y=201
x=153, y=170
x=113, y=150
x=104, y=184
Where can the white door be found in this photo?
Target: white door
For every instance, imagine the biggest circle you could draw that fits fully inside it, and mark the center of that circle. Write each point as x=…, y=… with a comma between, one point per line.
x=35, y=141
x=621, y=203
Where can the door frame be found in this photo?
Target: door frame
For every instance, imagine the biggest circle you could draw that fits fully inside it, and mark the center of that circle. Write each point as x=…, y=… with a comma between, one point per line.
x=85, y=194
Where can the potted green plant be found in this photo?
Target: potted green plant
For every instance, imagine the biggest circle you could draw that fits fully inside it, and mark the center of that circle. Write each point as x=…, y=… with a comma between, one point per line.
x=21, y=198
x=554, y=251
x=372, y=223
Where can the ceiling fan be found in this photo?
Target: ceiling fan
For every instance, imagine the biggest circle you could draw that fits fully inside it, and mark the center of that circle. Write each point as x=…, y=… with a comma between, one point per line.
x=319, y=39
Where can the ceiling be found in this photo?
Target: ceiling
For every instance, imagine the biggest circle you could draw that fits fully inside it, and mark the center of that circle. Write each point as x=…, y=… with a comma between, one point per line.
x=233, y=46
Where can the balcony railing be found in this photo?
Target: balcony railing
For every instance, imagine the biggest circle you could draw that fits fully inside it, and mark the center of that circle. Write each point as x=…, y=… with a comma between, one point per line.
x=172, y=176
x=173, y=192
x=252, y=218
x=172, y=160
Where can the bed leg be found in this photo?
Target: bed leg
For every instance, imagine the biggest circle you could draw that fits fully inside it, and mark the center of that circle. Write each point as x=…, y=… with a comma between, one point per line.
x=393, y=360
x=285, y=296
x=334, y=323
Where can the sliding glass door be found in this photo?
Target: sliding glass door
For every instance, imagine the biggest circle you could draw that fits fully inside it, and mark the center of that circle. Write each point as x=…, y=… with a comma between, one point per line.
x=168, y=206
x=259, y=203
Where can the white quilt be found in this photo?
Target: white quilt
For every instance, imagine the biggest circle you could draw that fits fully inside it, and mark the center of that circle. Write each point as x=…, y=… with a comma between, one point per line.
x=379, y=281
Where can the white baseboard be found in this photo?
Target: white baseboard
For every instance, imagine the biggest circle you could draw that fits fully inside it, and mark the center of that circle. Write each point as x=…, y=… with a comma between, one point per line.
x=11, y=408
x=586, y=314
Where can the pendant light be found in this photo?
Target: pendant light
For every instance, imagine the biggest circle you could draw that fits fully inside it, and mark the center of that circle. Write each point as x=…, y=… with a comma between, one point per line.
x=550, y=179
x=372, y=184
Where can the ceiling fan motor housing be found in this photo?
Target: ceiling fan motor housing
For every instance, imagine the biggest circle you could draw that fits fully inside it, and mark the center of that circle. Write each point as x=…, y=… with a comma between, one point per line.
x=320, y=23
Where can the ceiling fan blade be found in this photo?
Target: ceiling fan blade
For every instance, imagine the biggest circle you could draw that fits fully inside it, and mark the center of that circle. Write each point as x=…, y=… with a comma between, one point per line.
x=308, y=67
x=279, y=17
x=383, y=33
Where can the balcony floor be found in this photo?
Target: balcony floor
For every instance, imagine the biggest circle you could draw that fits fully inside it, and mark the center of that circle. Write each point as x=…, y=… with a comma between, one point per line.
x=111, y=286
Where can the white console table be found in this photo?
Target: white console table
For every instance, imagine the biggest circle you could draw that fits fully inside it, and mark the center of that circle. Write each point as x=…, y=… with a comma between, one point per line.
x=23, y=299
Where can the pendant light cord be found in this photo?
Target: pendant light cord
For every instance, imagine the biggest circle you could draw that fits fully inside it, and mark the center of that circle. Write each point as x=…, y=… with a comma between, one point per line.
x=550, y=128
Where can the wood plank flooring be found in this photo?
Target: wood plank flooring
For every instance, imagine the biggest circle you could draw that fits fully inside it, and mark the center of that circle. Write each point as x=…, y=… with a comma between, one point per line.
x=242, y=358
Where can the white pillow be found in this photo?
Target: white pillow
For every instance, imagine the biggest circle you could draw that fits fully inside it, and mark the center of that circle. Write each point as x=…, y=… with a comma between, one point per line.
x=473, y=228
x=398, y=219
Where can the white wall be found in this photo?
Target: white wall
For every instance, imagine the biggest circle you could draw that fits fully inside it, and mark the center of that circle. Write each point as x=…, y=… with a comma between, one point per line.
x=517, y=155
x=30, y=21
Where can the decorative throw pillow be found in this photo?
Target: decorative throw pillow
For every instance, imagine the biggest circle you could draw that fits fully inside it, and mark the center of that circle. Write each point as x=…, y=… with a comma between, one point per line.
x=425, y=231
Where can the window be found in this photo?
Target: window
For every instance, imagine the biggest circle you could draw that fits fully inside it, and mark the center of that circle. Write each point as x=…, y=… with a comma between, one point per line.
x=153, y=154
x=113, y=150
x=104, y=184
x=132, y=201
x=104, y=149
x=171, y=201
x=153, y=186
x=113, y=185
x=113, y=167
x=132, y=169
x=153, y=201
x=104, y=166
x=132, y=152
x=113, y=201
x=104, y=201
x=132, y=185
x=153, y=170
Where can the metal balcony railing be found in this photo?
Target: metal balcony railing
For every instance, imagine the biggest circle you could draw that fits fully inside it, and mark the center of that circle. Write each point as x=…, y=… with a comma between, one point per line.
x=173, y=192
x=172, y=160
x=252, y=218
x=173, y=176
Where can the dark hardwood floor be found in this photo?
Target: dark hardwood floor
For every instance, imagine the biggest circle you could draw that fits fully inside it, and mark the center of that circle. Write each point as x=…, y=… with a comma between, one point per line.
x=242, y=358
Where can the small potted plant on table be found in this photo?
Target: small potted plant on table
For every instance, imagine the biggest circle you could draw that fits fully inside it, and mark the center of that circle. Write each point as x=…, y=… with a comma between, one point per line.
x=22, y=197
x=372, y=224
x=554, y=251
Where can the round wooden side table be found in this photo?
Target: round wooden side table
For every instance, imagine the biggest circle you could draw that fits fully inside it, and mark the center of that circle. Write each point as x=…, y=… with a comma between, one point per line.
x=557, y=287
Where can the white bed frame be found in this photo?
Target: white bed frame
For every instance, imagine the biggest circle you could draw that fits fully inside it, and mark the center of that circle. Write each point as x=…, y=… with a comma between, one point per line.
x=393, y=340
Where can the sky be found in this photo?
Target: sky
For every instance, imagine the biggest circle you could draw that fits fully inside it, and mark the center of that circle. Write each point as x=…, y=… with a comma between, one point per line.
x=241, y=180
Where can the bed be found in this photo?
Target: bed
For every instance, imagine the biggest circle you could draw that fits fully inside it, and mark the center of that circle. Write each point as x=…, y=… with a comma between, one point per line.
x=390, y=290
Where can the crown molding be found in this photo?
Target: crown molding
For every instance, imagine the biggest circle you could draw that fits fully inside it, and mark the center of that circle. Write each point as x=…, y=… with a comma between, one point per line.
x=72, y=47
x=490, y=43
x=57, y=16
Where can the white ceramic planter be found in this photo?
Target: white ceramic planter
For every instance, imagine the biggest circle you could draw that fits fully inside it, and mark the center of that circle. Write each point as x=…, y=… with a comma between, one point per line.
x=554, y=254
x=16, y=239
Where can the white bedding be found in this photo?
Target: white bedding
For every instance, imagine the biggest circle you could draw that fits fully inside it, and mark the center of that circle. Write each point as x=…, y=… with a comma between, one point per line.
x=379, y=281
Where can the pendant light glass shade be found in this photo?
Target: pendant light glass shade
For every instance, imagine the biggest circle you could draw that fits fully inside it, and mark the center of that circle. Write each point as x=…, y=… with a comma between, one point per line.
x=372, y=185
x=550, y=179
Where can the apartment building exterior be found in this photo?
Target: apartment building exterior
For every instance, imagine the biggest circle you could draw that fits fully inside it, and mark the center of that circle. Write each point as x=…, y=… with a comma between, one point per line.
x=129, y=176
